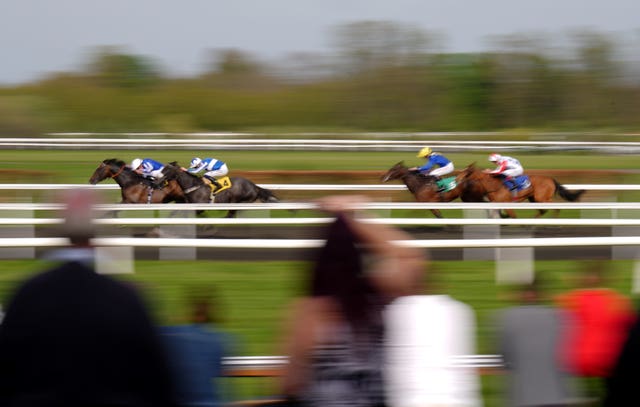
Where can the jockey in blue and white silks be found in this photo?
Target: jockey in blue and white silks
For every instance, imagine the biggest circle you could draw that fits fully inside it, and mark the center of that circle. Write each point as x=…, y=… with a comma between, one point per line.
x=443, y=164
x=213, y=167
x=148, y=168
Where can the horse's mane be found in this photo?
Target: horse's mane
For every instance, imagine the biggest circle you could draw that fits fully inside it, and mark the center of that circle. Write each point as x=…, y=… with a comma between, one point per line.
x=114, y=161
x=174, y=169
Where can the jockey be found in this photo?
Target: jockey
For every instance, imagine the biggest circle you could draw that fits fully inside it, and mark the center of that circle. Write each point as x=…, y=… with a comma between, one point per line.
x=148, y=168
x=214, y=168
x=508, y=168
x=445, y=166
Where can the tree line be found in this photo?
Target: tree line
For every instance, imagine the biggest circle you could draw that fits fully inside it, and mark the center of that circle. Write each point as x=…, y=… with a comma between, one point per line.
x=382, y=77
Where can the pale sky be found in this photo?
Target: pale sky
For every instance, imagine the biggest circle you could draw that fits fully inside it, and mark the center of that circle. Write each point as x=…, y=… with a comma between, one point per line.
x=38, y=37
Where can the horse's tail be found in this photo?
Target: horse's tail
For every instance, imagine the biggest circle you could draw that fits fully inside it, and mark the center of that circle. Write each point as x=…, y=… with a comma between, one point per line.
x=567, y=195
x=265, y=195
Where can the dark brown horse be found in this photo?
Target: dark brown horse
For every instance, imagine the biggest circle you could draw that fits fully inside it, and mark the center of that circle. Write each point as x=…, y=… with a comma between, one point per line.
x=425, y=189
x=542, y=189
x=134, y=187
x=196, y=190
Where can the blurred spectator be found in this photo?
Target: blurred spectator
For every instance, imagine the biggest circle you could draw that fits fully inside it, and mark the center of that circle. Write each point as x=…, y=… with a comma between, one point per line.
x=529, y=338
x=622, y=384
x=599, y=320
x=196, y=350
x=427, y=337
x=72, y=337
x=335, y=337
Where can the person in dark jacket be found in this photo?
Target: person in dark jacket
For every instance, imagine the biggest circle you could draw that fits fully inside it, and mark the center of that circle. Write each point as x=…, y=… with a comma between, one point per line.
x=72, y=337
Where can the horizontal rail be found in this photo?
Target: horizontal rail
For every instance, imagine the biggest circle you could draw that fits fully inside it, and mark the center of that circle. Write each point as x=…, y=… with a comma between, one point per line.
x=268, y=363
x=316, y=243
x=322, y=221
x=308, y=187
x=373, y=142
x=314, y=206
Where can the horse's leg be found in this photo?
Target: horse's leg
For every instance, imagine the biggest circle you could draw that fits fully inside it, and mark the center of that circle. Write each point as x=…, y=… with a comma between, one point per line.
x=503, y=196
x=437, y=213
x=231, y=214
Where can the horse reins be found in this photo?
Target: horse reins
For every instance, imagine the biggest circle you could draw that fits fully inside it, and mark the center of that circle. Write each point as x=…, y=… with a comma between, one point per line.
x=119, y=172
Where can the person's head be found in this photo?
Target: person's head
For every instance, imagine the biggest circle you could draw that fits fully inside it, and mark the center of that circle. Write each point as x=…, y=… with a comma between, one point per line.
x=78, y=215
x=339, y=274
x=425, y=152
x=136, y=163
x=196, y=161
x=495, y=157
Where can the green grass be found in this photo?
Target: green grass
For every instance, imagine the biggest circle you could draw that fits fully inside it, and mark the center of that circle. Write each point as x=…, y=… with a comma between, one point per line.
x=76, y=166
x=254, y=297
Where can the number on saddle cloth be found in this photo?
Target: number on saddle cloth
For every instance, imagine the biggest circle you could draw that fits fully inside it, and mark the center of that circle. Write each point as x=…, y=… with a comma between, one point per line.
x=225, y=183
x=447, y=184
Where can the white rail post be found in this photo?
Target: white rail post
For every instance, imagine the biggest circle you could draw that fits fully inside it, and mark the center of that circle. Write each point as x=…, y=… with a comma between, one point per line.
x=187, y=231
x=479, y=232
x=18, y=231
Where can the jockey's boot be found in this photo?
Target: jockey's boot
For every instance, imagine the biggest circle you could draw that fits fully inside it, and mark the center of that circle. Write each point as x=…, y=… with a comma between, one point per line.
x=214, y=182
x=439, y=183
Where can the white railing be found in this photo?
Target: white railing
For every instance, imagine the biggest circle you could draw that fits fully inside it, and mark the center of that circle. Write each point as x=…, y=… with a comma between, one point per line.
x=373, y=142
x=267, y=363
x=316, y=243
x=309, y=187
x=322, y=221
x=314, y=206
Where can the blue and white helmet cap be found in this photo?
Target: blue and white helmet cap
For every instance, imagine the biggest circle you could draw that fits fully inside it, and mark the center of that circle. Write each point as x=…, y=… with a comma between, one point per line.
x=195, y=162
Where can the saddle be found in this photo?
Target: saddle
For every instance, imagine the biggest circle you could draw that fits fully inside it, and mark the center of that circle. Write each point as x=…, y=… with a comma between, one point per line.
x=225, y=183
x=446, y=184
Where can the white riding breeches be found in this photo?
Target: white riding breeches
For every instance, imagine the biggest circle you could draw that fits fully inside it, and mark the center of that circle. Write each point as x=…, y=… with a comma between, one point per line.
x=438, y=172
x=157, y=174
x=222, y=171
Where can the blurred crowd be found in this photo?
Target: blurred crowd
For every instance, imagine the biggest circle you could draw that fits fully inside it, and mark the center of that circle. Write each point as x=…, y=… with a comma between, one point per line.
x=372, y=330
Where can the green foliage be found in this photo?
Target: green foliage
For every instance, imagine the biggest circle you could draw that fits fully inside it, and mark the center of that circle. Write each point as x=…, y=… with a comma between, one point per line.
x=386, y=77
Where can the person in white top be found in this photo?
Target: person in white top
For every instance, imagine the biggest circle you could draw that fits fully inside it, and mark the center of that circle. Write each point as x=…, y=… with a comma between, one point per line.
x=427, y=339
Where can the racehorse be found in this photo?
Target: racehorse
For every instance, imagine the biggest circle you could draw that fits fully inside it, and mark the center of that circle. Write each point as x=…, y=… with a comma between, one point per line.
x=425, y=189
x=196, y=190
x=542, y=189
x=134, y=187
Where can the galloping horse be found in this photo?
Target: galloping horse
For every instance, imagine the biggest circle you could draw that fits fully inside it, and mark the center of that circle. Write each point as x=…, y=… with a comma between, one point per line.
x=134, y=187
x=542, y=189
x=196, y=190
x=425, y=189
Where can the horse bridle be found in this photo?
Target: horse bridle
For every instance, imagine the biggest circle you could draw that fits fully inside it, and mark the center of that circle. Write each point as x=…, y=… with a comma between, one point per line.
x=117, y=173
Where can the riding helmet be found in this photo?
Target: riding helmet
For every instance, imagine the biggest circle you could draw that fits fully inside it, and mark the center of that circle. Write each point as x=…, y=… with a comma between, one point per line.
x=195, y=162
x=136, y=163
x=424, y=152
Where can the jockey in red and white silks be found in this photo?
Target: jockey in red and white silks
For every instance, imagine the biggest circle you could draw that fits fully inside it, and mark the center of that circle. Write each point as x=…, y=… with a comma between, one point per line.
x=509, y=167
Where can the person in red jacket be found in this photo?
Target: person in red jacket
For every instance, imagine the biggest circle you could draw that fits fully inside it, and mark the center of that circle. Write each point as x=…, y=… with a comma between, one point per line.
x=599, y=319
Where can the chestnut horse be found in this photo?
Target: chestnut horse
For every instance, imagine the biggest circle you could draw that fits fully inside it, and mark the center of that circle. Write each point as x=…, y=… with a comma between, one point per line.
x=134, y=187
x=425, y=189
x=542, y=189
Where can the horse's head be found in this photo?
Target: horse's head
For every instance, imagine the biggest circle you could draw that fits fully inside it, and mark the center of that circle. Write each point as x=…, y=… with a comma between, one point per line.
x=395, y=172
x=109, y=168
x=170, y=171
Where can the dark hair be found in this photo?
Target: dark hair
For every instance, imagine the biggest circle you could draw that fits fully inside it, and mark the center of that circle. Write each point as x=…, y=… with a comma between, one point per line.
x=338, y=273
